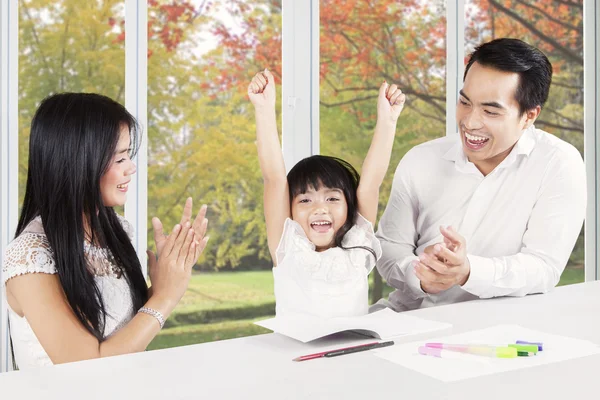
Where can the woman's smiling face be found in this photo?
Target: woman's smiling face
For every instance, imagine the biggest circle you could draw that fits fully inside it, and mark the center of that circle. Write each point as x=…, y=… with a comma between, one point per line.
x=115, y=181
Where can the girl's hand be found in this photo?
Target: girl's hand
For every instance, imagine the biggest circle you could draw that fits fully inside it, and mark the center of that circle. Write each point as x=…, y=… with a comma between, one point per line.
x=261, y=90
x=389, y=103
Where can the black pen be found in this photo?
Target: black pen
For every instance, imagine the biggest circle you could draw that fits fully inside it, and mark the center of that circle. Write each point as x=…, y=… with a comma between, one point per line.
x=356, y=349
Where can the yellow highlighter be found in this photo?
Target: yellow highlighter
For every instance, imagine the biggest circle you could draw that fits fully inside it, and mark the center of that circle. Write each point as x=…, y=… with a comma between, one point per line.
x=435, y=349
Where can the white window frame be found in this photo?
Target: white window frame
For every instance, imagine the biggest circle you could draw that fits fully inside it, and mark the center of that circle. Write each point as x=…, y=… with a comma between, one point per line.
x=136, y=102
x=591, y=129
x=455, y=55
x=9, y=153
x=300, y=86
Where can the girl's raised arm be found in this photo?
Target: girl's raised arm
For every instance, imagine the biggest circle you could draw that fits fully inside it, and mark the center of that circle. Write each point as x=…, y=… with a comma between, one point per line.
x=389, y=106
x=276, y=195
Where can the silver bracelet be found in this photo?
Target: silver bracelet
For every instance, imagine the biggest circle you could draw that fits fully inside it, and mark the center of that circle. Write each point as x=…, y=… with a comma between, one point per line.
x=156, y=314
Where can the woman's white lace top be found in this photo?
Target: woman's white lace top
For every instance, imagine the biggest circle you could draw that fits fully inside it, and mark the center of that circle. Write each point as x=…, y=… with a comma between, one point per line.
x=30, y=253
x=331, y=283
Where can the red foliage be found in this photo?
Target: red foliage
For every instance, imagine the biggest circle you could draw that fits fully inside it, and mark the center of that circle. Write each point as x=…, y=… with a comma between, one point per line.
x=166, y=22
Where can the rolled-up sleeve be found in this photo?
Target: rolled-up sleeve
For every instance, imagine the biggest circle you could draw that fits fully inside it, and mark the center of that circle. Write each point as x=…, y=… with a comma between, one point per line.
x=398, y=235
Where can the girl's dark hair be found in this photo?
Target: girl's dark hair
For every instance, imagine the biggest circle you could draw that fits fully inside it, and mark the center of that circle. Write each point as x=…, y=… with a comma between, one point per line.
x=330, y=172
x=514, y=55
x=72, y=143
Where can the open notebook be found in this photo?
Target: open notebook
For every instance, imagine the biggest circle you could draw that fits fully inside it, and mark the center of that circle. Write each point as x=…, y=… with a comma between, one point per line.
x=383, y=324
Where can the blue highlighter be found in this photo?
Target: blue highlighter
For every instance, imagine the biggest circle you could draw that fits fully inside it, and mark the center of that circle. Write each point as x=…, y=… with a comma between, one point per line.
x=538, y=344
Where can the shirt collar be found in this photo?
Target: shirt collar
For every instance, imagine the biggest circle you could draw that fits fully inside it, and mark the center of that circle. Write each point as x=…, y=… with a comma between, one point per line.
x=524, y=146
x=526, y=143
x=458, y=157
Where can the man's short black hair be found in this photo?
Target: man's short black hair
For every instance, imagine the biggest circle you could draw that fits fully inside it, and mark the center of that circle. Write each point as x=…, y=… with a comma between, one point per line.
x=514, y=55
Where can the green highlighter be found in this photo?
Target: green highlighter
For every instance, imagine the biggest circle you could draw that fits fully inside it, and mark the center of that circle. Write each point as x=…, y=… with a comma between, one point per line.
x=525, y=350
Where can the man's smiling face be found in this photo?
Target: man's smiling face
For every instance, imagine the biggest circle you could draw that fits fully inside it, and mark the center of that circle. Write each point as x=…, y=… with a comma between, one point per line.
x=488, y=116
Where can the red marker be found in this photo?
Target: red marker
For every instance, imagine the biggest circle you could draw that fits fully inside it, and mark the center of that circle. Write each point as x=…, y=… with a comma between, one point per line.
x=345, y=350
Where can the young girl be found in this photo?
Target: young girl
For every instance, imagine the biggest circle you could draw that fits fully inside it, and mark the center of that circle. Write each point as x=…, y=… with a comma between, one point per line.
x=74, y=284
x=325, y=252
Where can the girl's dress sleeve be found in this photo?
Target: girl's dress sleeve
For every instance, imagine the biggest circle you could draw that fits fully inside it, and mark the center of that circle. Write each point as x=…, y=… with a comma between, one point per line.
x=363, y=235
x=292, y=238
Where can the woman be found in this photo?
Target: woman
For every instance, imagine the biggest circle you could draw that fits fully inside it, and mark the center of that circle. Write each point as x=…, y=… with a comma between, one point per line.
x=74, y=284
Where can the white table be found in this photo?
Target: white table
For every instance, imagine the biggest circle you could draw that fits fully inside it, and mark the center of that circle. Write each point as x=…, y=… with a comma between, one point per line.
x=260, y=367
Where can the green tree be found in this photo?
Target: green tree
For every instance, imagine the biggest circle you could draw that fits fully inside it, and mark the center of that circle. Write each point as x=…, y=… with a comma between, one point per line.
x=555, y=27
x=202, y=135
x=363, y=43
x=65, y=45
x=201, y=141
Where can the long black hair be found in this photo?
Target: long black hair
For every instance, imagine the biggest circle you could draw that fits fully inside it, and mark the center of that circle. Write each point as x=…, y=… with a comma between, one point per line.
x=334, y=173
x=72, y=143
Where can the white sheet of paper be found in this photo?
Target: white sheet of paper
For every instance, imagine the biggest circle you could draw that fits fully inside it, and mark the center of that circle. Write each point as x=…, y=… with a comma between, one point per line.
x=458, y=366
x=383, y=324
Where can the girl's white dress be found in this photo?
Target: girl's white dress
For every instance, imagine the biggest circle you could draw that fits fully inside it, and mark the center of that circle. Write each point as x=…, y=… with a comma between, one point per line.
x=30, y=253
x=331, y=283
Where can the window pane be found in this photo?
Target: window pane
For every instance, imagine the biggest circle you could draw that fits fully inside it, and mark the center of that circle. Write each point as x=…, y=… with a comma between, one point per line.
x=201, y=130
x=557, y=30
x=364, y=43
x=67, y=45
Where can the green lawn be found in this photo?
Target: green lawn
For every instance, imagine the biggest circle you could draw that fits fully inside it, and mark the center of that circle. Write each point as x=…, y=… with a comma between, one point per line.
x=224, y=305
x=223, y=290
x=201, y=333
x=572, y=274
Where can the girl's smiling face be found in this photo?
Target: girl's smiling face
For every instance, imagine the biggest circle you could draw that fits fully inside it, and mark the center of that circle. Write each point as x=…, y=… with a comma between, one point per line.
x=320, y=213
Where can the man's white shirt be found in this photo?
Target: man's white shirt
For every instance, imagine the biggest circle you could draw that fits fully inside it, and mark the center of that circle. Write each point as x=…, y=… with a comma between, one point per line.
x=520, y=221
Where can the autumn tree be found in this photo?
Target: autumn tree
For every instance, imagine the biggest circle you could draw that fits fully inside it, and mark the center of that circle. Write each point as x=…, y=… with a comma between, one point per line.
x=201, y=143
x=556, y=28
x=200, y=126
x=64, y=46
x=363, y=43
x=202, y=135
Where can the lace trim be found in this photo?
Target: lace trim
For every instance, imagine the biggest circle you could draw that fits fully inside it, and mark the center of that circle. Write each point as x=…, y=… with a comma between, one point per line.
x=101, y=261
x=31, y=253
x=127, y=227
x=363, y=235
x=293, y=236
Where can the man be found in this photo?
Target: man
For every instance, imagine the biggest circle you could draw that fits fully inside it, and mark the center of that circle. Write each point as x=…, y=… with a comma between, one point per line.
x=495, y=210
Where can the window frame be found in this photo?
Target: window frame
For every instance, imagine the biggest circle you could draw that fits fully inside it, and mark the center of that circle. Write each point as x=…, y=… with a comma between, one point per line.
x=136, y=102
x=591, y=127
x=9, y=150
x=300, y=86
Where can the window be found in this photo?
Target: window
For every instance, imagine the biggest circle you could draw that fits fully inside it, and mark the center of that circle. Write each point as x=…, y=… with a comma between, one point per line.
x=202, y=56
x=557, y=30
x=362, y=44
x=67, y=46
x=200, y=130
